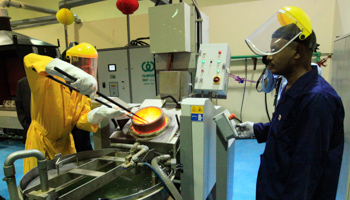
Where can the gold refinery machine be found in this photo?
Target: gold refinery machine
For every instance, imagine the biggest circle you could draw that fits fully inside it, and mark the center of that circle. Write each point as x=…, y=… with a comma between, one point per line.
x=177, y=143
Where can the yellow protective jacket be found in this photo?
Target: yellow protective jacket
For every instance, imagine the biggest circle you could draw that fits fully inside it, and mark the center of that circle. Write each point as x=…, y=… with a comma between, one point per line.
x=55, y=110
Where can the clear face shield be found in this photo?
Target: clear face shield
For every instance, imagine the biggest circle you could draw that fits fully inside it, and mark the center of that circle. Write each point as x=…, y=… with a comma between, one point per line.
x=89, y=65
x=275, y=34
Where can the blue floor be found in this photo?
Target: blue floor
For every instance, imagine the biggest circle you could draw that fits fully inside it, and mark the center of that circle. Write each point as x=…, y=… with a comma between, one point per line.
x=7, y=147
x=246, y=166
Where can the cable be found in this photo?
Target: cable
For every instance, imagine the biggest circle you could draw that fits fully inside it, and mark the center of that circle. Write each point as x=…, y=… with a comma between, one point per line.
x=266, y=108
x=199, y=25
x=159, y=177
x=176, y=102
x=138, y=42
x=240, y=121
x=245, y=85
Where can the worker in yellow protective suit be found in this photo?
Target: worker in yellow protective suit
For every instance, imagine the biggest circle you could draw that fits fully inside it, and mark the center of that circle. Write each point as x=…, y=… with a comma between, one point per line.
x=55, y=110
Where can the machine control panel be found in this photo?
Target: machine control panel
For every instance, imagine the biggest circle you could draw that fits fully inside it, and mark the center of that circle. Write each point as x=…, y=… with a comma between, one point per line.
x=213, y=67
x=226, y=127
x=113, y=89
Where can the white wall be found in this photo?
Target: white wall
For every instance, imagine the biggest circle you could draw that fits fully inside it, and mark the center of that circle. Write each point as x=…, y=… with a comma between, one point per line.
x=341, y=18
x=229, y=23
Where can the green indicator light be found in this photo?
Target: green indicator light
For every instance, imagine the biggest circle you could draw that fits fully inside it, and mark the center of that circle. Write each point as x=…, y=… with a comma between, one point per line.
x=219, y=61
x=203, y=61
x=218, y=70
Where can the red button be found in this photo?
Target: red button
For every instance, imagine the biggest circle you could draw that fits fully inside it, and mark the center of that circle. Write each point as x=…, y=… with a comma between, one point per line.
x=219, y=52
x=216, y=79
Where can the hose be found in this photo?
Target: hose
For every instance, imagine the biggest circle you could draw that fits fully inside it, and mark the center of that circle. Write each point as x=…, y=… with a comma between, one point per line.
x=162, y=176
x=159, y=177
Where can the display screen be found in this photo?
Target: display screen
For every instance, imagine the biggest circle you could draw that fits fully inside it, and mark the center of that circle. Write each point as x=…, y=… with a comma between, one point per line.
x=112, y=67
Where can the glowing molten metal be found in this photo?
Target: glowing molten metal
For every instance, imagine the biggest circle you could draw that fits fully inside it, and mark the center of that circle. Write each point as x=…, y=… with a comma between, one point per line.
x=155, y=118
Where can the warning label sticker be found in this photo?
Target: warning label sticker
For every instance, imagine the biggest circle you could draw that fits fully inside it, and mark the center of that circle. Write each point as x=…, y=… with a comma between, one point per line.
x=197, y=109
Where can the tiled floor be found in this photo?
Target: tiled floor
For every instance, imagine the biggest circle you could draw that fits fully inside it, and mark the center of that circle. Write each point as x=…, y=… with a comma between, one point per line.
x=246, y=166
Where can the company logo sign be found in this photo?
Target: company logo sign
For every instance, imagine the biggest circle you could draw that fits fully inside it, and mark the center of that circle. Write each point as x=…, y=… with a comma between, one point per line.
x=148, y=66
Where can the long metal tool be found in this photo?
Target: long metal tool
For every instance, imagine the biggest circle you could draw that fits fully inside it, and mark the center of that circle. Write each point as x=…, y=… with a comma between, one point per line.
x=109, y=106
x=61, y=82
x=100, y=94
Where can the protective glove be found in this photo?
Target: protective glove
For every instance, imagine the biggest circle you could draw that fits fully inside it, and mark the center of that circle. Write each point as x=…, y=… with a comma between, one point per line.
x=85, y=83
x=245, y=129
x=96, y=115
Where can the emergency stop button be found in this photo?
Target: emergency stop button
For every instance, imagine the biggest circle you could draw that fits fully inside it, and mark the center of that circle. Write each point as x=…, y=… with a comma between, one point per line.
x=216, y=79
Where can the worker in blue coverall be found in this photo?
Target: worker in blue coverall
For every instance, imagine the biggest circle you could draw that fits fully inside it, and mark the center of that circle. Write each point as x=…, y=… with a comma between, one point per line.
x=305, y=138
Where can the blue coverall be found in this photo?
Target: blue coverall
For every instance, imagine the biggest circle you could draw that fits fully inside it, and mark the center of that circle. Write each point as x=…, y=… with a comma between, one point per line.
x=304, y=143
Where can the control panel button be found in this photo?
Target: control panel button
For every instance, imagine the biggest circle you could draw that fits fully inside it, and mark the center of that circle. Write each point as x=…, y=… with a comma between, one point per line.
x=216, y=79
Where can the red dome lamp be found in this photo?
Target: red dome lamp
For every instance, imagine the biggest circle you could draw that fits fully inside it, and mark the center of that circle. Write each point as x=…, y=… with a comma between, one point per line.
x=127, y=7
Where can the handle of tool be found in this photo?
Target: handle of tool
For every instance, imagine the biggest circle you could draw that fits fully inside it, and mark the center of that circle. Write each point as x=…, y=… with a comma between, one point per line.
x=65, y=73
x=98, y=93
x=112, y=101
x=103, y=103
x=120, y=106
x=63, y=83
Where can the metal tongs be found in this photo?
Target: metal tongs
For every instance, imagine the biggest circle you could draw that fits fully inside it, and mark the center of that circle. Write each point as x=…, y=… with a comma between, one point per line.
x=140, y=119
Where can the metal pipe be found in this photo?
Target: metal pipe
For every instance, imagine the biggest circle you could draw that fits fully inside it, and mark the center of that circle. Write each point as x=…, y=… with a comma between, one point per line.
x=317, y=54
x=24, y=154
x=66, y=35
x=128, y=57
x=120, y=145
x=33, y=25
x=40, y=21
x=169, y=184
x=129, y=146
x=135, y=158
x=9, y=170
x=245, y=56
x=26, y=6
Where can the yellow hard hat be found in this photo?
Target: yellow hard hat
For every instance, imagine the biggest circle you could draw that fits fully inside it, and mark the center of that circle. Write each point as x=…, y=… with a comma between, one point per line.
x=287, y=25
x=84, y=50
x=292, y=14
x=84, y=56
